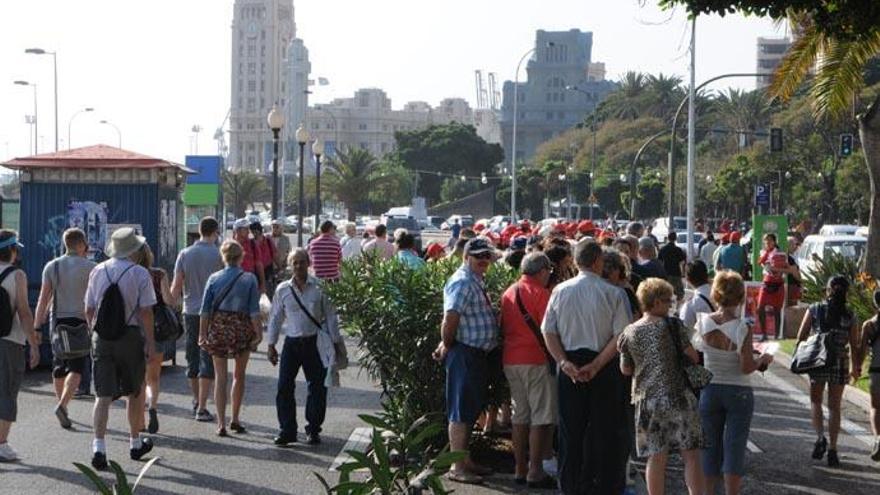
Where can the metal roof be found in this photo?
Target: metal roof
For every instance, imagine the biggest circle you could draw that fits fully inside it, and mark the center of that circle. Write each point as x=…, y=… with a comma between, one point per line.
x=98, y=156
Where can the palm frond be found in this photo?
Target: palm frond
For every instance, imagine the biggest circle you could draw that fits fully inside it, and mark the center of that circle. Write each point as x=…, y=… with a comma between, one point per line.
x=797, y=63
x=840, y=74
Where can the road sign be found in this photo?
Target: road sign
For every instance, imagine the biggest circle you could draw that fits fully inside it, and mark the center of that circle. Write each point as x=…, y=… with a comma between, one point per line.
x=762, y=195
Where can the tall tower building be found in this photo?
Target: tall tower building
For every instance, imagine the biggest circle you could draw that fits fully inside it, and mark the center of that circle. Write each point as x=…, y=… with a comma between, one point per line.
x=261, y=33
x=771, y=51
x=298, y=70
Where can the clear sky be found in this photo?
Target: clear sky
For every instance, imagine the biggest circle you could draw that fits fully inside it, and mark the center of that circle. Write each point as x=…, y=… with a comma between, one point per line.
x=157, y=68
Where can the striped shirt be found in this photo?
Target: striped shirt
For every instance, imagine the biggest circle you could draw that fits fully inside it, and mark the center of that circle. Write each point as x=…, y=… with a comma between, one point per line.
x=465, y=294
x=326, y=254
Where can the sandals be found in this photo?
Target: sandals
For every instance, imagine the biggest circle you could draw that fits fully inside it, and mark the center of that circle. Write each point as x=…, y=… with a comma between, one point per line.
x=237, y=427
x=464, y=477
x=221, y=432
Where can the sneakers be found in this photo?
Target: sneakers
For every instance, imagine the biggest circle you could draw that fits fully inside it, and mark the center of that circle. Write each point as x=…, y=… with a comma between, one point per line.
x=204, y=416
x=99, y=461
x=283, y=441
x=313, y=439
x=875, y=452
x=63, y=419
x=550, y=466
x=833, y=460
x=153, y=426
x=7, y=454
x=146, y=446
x=819, y=448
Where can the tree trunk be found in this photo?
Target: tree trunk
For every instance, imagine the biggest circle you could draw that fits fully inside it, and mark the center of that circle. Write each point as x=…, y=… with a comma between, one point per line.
x=869, y=132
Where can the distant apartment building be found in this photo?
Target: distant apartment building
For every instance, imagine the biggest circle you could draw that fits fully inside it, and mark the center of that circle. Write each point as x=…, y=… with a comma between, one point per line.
x=368, y=121
x=770, y=53
x=261, y=33
x=545, y=107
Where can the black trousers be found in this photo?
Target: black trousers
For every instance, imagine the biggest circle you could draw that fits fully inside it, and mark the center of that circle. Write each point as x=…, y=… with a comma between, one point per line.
x=301, y=352
x=593, y=440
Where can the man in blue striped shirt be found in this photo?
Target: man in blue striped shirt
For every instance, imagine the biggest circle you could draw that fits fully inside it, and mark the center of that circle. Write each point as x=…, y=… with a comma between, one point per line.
x=469, y=331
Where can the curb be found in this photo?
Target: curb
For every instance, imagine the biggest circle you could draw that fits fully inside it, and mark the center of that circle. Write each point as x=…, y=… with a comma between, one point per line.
x=853, y=395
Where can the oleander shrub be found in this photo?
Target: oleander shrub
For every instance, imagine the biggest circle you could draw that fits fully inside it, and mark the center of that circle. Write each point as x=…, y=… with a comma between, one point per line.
x=861, y=287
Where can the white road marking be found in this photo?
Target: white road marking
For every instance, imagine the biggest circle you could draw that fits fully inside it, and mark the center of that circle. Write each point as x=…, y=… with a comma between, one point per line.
x=803, y=399
x=359, y=440
x=753, y=448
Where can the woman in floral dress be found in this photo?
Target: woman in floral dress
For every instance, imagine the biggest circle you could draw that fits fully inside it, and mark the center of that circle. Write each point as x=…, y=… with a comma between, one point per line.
x=666, y=409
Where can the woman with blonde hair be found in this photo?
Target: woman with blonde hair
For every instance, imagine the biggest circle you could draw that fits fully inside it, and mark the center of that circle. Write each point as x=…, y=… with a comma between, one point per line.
x=666, y=415
x=230, y=328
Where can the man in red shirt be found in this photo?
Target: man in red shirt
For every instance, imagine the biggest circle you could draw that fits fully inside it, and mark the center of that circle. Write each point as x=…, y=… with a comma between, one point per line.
x=326, y=253
x=251, y=261
x=527, y=367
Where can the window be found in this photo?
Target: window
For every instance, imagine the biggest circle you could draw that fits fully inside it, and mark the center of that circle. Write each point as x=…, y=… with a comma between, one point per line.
x=767, y=64
x=365, y=146
x=328, y=126
x=362, y=127
x=251, y=104
x=316, y=126
x=283, y=87
x=384, y=147
x=549, y=97
x=549, y=115
x=555, y=97
x=252, y=51
x=239, y=102
x=774, y=49
x=262, y=102
x=364, y=100
x=240, y=68
x=251, y=147
x=263, y=68
x=262, y=50
x=263, y=35
x=252, y=68
x=560, y=115
x=262, y=85
x=252, y=85
x=241, y=50
x=384, y=127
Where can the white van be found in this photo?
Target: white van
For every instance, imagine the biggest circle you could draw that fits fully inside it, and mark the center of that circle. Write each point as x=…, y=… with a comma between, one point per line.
x=827, y=230
x=850, y=246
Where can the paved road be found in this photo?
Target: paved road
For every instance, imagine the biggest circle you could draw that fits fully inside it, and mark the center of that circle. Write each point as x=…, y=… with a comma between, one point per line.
x=193, y=460
x=782, y=440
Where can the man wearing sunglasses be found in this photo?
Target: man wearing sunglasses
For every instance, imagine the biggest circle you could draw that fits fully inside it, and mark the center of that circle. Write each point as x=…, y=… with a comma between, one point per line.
x=469, y=332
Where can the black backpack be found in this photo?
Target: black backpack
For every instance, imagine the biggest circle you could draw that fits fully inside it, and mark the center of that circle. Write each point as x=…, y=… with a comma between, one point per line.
x=112, y=320
x=6, y=313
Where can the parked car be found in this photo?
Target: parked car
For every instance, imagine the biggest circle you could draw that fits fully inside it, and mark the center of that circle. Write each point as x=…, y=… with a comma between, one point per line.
x=466, y=221
x=432, y=223
x=409, y=223
x=661, y=226
x=863, y=231
x=827, y=230
x=681, y=240
x=819, y=246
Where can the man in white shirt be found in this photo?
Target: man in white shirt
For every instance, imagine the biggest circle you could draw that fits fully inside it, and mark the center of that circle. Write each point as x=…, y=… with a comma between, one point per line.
x=697, y=275
x=351, y=243
x=584, y=317
x=303, y=313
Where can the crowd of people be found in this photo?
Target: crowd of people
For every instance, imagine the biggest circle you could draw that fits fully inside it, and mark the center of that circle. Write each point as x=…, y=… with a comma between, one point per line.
x=600, y=345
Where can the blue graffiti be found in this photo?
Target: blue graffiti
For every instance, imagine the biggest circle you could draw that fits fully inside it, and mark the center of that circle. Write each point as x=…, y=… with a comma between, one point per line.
x=51, y=240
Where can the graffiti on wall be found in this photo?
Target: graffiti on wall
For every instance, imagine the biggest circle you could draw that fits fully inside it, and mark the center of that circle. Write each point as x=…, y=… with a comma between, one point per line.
x=51, y=241
x=167, y=229
x=91, y=218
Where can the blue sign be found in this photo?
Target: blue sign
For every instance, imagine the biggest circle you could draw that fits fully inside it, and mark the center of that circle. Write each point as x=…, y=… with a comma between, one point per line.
x=207, y=168
x=762, y=195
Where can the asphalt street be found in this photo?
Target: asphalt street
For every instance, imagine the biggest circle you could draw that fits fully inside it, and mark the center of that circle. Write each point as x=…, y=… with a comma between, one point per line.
x=193, y=460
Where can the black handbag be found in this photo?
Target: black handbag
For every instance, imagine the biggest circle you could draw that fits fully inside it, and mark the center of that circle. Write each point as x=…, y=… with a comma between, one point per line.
x=69, y=341
x=696, y=376
x=166, y=324
x=812, y=354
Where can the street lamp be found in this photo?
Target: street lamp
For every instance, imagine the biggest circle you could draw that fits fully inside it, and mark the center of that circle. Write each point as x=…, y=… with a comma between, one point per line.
x=70, y=122
x=623, y=178
x=709, y=179
x=36, y=134
x=513, y=140
x=118, y=132
x=318, y=150
x=40, y=51
x=302, y=137
x=276, y=122
x=483, y=179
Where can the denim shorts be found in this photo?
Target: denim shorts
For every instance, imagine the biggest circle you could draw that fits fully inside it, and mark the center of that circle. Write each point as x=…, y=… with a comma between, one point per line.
x=726, y=412
x=198, y=362
x=466, y=371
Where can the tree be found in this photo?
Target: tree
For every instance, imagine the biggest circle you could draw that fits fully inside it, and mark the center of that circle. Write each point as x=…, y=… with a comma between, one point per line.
x=842, y=36
x=448, y=149
x=743, y=112
x=351, y=175
x=243, y=189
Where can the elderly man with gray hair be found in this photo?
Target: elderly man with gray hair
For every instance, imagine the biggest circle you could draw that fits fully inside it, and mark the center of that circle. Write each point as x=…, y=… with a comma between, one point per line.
x=584, y=317
x=351, y=242
x=529, y=369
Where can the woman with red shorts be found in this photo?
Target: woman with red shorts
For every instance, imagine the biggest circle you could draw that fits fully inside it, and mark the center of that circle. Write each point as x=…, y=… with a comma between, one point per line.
x=772, y=293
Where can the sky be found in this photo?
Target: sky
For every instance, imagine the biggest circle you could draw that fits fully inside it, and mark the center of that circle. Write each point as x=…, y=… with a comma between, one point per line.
x=156, y=69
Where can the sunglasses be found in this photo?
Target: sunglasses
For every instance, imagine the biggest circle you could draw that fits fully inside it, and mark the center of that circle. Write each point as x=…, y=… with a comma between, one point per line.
x=482, y=256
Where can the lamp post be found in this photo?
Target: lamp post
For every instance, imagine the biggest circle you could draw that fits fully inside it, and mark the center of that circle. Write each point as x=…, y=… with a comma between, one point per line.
x=118, y=132
x=70, y=122
x=302, y=137
x=513, y=139
x=36, y=134
x=318, y=151
x=276, y=122
x=40, y=51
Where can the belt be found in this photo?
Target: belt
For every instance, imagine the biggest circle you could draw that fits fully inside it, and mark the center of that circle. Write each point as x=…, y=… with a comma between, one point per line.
x=306, y=337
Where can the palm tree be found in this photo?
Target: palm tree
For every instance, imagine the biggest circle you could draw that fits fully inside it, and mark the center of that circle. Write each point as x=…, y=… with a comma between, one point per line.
x=627, y=103
x=743, y=111
x=665, y=94
x=244, y=188
x=351, y=175
x=833, y=90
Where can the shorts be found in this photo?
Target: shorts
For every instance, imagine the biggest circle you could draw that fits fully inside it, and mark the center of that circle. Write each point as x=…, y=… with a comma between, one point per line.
x=466, y=382
x=875, y=382
x=198, y=362
x=533, y=393
x=62, y=367
x=11, y=373
x=119, y=365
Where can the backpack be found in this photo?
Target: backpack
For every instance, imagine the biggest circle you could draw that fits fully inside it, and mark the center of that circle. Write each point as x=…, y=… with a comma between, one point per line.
x=6, y=312
x=112, y=320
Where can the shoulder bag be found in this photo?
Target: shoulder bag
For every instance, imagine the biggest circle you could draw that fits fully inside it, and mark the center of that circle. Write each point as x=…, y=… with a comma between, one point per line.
x=166, y=324
x=696, y=377
x=812, y=354
x=536, y=330
x=341, y=354
x=68, y=341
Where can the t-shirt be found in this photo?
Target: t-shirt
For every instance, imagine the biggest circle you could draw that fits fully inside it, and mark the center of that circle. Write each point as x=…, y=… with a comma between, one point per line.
x=456, y=230
x=672, y=256
x=732, y=257
x=649, y=269
x=520, y=343
x=196, y=263
x=253, y=255
x=16, y=334
x=73, y=272
x=136, y=287
x=326, y=254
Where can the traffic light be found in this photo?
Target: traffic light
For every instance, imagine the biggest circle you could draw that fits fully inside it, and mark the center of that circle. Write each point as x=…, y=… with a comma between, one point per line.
x=846, y=144
x=775, y=139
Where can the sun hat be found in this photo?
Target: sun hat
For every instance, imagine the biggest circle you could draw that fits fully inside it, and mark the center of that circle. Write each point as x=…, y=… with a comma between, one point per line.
x=241, y=223
x=435, y=249
x=11, y=241
x=124, y=242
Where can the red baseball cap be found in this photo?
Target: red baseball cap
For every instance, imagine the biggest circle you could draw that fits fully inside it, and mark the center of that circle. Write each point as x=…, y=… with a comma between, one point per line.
x=735, y=236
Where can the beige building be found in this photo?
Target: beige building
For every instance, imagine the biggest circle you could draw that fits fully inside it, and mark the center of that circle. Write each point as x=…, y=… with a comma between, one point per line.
x=261, y=33
x=770, y=53
x=368, y=121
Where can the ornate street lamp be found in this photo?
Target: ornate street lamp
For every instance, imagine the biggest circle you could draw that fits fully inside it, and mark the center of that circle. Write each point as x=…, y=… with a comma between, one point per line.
x=302, y=137
x=276, y=122
x=318, y=150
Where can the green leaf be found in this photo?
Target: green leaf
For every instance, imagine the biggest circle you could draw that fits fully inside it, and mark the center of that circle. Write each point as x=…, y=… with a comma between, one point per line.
x=143, y=472
x=375, y=422
x=447, y=459
x=94, y=478
x=122, y=487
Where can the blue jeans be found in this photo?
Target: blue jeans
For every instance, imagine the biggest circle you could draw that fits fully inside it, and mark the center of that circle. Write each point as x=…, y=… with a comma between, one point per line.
x=198, y=362
x=301, y=352
x=726, y=411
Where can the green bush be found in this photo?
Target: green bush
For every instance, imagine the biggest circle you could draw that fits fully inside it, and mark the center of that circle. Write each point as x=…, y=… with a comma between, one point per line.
x=861, y=289
x=396, y=313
